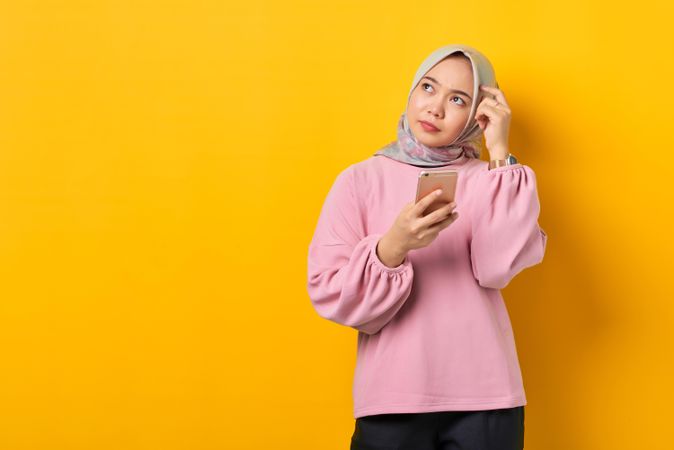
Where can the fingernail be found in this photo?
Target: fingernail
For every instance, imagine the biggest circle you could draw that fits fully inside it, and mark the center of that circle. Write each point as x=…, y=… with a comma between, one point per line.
x=438, y=192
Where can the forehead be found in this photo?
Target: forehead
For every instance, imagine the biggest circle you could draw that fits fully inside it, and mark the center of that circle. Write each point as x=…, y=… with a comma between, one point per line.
x=453, y=72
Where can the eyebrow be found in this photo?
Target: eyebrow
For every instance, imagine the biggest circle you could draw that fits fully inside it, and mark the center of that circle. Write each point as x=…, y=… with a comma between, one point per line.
x=451, y=90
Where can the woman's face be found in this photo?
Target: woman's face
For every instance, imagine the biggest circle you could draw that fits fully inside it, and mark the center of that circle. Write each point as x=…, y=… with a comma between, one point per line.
x=442, y=98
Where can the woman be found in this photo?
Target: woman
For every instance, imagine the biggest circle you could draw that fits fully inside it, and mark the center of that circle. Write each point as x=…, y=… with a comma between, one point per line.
x=437, y=365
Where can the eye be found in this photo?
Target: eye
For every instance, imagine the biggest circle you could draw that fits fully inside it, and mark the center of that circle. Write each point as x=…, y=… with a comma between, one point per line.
x=456, y=96
x=423, y=87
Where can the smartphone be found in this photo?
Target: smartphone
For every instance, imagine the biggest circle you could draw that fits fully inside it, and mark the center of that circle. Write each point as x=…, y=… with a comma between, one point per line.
x=438, y=179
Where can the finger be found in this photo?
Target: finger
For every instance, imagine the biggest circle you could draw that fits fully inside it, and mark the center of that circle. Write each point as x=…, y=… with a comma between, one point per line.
x=437, y=215
x=498, y=106
x=488, y=111
x=490, y=104
x=498, y=94
x=444, y=224
x=483, y=113
x=422, y=204
x=493, y=102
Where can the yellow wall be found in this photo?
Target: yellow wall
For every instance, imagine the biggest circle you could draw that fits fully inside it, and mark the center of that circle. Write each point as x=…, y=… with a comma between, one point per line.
x=163, y=164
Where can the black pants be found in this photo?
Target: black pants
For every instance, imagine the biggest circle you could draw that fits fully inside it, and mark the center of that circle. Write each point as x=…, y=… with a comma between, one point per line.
x=494, y=429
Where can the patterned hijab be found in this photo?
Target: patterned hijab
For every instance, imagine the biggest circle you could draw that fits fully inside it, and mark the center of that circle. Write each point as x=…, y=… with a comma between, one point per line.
x=468, y=143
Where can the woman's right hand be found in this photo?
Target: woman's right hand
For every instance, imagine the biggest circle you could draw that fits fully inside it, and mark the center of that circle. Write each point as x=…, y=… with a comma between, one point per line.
x=412, y=230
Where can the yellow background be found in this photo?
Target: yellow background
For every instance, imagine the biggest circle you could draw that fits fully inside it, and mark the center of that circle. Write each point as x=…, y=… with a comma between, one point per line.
x=163, y=164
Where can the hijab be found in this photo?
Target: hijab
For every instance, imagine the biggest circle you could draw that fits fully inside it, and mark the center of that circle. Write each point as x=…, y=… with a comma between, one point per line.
x=406, y=148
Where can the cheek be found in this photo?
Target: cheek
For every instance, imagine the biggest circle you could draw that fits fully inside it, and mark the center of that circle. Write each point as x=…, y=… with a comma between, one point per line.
x=416, y=104
x=411, y=111
x=458, y=119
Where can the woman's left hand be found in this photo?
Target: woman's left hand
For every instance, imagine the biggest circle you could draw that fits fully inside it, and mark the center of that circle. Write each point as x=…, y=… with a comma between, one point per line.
x=493, y=117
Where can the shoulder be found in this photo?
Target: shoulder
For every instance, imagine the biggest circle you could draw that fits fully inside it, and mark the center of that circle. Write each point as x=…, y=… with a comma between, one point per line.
x=366, y=171
x=368, y=165
x=350, y=180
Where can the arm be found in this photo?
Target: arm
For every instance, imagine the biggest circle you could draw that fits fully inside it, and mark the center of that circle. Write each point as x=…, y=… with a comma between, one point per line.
x=347, y=281
x=506, y=237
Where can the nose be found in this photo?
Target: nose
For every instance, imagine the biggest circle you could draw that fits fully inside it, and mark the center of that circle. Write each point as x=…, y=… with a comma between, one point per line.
x=435, y=108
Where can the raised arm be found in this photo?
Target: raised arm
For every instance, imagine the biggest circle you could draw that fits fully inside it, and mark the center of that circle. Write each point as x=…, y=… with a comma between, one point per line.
x=506, y=237
x=347, y=282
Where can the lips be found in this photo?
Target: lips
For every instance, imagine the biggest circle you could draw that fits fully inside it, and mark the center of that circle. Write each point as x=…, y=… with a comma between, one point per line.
x=428, y=126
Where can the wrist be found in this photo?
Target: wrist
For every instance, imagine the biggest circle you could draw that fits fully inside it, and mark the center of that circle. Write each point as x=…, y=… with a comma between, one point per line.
x=389, y=253
x=508, y=160
x=499, y=154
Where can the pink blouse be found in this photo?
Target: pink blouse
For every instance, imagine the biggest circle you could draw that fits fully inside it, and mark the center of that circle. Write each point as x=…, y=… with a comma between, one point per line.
x=434, y=332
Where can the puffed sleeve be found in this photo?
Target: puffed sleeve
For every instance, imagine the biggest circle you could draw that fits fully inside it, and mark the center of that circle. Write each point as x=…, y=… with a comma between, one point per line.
x=347, y=282
x=506, y=237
